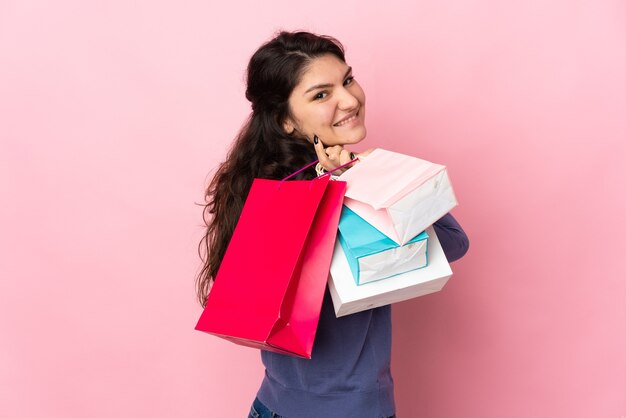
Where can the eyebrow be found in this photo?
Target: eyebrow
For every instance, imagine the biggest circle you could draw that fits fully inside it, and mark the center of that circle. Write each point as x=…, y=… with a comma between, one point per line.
x=321, y=86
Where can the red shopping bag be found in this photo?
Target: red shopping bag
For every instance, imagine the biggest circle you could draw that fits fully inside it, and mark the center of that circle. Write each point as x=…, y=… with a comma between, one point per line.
x=269, y=289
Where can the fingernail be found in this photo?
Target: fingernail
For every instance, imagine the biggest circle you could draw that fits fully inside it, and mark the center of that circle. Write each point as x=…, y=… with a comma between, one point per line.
x=315, y=140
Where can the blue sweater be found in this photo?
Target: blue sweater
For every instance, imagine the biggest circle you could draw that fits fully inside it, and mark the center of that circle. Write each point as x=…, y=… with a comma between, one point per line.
x=349, y=372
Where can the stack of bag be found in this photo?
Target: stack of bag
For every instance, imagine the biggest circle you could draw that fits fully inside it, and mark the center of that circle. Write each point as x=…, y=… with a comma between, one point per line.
x=385, y=235
x=269, y=289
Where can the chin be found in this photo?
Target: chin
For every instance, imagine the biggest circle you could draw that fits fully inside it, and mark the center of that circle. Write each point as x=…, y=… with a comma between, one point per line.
x=357, y=138
x=351, y=138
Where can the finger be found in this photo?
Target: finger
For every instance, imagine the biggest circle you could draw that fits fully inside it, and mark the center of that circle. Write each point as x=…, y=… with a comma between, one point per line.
x=334, y=153
x=321, y=154
x=345, y=157
x=334, y=150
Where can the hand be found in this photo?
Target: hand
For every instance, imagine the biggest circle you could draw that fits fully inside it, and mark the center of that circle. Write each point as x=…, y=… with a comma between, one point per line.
x=332, y=157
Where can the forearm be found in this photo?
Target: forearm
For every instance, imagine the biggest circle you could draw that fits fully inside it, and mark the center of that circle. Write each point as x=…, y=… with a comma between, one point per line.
x=453, y=239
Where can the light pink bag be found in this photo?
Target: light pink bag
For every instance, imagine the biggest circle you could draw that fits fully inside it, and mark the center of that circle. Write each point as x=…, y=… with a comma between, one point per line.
x=398, y=194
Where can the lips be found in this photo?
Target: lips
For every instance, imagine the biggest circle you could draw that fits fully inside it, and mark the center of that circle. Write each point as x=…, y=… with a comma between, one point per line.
x=347, y=119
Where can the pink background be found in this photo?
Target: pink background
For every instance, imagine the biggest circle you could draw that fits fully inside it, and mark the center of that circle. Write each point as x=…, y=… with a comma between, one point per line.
x=112, y=115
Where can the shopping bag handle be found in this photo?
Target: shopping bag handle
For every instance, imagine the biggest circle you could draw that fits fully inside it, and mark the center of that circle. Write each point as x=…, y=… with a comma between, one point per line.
x=318, y=177
x=337, y=168
x=299, y=171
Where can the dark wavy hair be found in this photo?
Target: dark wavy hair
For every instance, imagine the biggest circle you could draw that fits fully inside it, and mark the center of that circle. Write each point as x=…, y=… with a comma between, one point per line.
x=262, y=149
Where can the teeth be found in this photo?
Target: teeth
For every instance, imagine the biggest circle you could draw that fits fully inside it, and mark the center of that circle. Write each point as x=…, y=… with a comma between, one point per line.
x=346, y=121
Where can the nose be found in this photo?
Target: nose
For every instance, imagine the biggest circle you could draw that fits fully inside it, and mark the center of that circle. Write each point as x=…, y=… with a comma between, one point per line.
x=347, y=101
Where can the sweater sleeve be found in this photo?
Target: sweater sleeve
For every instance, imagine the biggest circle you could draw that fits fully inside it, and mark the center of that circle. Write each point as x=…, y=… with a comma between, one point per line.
x=452, y=237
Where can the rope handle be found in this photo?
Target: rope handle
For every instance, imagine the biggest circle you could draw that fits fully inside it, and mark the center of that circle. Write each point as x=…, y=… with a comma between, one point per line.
x=337, y=168
x=318, y=177
x=299, y=171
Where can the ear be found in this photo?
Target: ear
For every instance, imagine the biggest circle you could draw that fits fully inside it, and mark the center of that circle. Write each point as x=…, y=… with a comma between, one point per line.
x=288, y=126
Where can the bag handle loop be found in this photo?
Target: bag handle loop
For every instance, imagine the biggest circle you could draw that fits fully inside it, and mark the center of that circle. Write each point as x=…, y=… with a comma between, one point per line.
x=318, y=177
x=337, y=168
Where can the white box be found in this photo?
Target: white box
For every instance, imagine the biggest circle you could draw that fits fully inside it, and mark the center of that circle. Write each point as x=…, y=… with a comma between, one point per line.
x=349, y=298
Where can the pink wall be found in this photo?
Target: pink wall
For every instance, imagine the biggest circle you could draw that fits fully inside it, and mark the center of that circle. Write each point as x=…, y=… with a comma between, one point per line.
x=112, y=115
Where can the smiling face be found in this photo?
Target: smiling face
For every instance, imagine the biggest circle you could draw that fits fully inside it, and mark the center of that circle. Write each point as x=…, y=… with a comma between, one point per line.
x=328, y=102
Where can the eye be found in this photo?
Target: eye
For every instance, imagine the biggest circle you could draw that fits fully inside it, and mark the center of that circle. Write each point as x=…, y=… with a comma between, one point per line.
x=320, y=95
x=348, y=81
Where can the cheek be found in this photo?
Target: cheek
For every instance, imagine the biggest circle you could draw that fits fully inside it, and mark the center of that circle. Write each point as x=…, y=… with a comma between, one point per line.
x=321, y=116
x=360, y=95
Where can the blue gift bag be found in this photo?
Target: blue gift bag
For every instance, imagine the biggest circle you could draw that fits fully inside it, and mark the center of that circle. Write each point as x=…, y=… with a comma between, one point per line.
x=374, y=256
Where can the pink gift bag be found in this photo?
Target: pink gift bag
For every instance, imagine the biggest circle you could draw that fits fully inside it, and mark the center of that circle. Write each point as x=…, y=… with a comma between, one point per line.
x=269, y=289
x=398, y=194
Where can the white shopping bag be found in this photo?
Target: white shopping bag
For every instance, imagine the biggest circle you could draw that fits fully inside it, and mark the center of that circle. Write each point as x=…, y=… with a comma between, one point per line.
x=348, y=297
x=398, y=194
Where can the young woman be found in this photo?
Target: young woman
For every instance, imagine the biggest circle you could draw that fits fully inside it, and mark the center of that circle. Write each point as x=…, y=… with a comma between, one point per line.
x=307, y=105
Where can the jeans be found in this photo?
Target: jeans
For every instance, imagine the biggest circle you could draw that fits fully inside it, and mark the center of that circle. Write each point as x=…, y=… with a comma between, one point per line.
x=259, y=410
